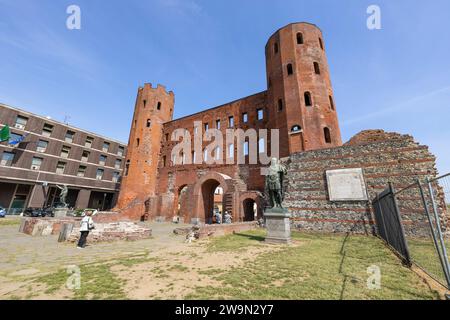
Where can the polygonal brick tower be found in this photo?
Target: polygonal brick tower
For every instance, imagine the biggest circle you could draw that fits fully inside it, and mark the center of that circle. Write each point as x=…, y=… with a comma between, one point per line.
x=154, y=106
x=300, y=95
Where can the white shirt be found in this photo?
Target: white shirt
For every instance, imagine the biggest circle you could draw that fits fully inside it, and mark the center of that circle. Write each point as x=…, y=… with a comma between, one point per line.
x=86, y=223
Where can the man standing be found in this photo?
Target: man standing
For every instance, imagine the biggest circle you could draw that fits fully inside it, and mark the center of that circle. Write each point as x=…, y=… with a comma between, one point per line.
x=87, y=224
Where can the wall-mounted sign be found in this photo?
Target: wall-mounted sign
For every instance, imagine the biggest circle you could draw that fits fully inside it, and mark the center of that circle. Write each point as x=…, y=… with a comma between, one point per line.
x=346, y=185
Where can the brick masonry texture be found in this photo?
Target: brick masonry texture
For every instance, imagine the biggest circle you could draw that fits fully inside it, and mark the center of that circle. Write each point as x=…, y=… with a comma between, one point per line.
x=399, y=160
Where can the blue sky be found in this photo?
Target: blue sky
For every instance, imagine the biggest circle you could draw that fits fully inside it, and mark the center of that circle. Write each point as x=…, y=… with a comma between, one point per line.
x=212, y=52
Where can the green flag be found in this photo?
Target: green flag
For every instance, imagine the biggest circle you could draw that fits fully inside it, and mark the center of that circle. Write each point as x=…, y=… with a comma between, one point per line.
x=4, y=133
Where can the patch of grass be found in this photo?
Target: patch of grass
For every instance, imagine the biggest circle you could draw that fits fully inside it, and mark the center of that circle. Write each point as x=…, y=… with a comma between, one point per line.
x=236, y=242
x=10, y=222
x=128, y=262
x=97, y=282
x=320, y=267
x=179, y=267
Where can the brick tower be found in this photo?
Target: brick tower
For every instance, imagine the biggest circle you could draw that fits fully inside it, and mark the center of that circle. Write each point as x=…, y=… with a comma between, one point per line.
x=300, y=95
x=154, y=107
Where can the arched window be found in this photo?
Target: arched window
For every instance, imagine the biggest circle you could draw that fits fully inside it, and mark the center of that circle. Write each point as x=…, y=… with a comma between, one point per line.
x=299, y=38
x=321, y=43
x=138, y=141
x=331, y=103
x=308, y=100
x=145, y=103
x=275, y=47
x=280, y=104
x=296, y=128
x=316, y=68
x=149, y=123
x=327, y=135
x=290, y=70
x=158, y=106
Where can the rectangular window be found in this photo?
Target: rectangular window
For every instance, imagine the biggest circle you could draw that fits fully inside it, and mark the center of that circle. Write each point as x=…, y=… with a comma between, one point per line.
x=245, y=117
x=65, y=152
x=118, y=164
x=60, y=167
x=231, y=150
x=116, y=176
x=81, y=171
x=102, y=160
x=260, y=114
x=42, y=146
x=15, y=137
x=99, y=174
x=120, y=151
x=167, y=137
x=89, y=141
x=206, y=126
x=105, y=147
x=7, y=158
x=21, y=122
x=36, y=163
x=85, y=156
x=231, y=122
x=218, y=124
x=47, y=130
x=69, y=136
x=261, y=145
x=246, y=148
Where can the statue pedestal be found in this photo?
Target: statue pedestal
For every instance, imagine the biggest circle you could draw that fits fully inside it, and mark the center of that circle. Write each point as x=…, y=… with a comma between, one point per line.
x=278, y=226
x=60, y=212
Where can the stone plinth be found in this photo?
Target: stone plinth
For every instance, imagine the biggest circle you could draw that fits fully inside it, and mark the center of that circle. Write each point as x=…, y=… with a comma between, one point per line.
x=60, y=212
x=278, y=226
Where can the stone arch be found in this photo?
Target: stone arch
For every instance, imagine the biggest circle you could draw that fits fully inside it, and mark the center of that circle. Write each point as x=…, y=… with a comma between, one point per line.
x=203, y=193
x=249, y=198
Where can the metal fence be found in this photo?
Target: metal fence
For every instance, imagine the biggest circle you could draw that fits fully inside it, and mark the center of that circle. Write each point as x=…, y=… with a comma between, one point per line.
x=414, y=222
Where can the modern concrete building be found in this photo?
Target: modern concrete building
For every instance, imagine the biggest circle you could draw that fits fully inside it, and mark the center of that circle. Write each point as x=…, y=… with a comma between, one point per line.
x=51, y=154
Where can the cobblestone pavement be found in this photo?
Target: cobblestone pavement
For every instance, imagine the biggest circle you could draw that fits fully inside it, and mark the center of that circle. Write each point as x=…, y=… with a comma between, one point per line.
x=21, y=254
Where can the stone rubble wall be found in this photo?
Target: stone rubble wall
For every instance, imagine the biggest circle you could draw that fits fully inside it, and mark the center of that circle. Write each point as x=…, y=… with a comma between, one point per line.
x=399, y=159
x=105, y=232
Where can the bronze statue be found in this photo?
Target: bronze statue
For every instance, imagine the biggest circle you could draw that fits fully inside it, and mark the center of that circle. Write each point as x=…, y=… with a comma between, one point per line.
x=274, y=183
x=63, y=195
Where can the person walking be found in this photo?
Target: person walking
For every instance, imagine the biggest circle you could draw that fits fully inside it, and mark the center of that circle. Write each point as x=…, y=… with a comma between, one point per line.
x=87, y=224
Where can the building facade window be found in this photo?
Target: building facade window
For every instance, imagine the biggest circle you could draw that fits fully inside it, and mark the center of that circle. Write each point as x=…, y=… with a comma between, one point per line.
x=308, y=99
x=120, y=151
x=115, y=177
x=60, y=167
x=69, y=136
x=127, y=167
x=89, y=141
x=36, y=163
x=290, y=69
x=206, y=126
x=231, y=150
x=261, y=145
x=65, y=152
x=99, y=174
x=158, y=106
x=47, y=130
x=280, y=104
x=299, y=38
x=81, y=171
x=246, y=148
x=21, y=122
x=231, y=122
x=245, y=117
x=316, y=68
x=331, y=103
x=149, y=123
x=218, y=124
x=327, y=135
x=296, y=128
x=275, y=47
x=321, y=43
x=42, y=146
x=15, y=136
x=7, y=158
x=102, y=160
x=260, y=114
x=118, y=164
x=105, y=147
x=85, y=156
x=217, y=153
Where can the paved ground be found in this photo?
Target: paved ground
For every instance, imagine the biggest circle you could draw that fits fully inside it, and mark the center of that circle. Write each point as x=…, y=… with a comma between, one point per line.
x=24, y=254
